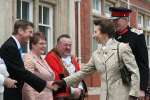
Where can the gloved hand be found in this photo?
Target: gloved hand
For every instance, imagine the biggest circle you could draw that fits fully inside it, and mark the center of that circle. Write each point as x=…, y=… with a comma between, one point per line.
x=61, y=84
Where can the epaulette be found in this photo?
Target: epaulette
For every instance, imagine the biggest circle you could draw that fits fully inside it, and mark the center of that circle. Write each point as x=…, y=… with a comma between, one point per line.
x=137, y=31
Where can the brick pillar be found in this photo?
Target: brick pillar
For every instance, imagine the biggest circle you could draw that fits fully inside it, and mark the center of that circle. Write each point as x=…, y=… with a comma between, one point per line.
x=93, y=81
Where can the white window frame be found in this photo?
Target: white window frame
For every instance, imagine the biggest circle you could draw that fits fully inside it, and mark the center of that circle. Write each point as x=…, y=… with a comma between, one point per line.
x=30, y=15
x=95, y=11
x=50, y=26
x=141, y=24
x=30, y=9
x=110, y=5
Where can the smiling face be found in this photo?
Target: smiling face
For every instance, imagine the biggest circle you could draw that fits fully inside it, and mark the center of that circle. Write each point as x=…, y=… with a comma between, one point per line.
x=39, y=47
x=23, y=30
x=64, y=46
x=25, y=34
x=38, y=43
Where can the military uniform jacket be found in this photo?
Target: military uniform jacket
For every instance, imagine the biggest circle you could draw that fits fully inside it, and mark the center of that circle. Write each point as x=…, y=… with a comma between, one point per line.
x=105, y=62
x=137, y=43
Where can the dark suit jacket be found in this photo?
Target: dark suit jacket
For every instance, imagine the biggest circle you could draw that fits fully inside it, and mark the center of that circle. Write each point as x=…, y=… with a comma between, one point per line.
x=15, y=66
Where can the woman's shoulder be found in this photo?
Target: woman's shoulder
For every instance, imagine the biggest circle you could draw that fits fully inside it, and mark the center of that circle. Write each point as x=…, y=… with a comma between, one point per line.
x=124, y=47
x=27, y=57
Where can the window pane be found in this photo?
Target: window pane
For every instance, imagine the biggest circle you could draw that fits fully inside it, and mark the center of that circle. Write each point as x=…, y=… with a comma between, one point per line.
x=45, y=31
x=139, y=20
x=96, y=4
x=106, y=9
x=18, y=9
x=25, y=10
x=148, y=22
x=94, y=45
x=148, y=40
x=93, y=3
x=40, y=14
x=45, y=15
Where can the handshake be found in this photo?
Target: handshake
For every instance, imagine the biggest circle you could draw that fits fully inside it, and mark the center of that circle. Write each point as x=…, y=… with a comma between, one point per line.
x=57, y=85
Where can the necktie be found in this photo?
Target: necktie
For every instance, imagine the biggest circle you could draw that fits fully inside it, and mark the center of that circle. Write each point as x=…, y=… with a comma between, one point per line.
x=20, y=50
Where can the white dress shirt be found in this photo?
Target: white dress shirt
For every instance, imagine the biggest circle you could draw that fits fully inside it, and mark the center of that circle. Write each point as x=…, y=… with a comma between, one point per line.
x=3, y=74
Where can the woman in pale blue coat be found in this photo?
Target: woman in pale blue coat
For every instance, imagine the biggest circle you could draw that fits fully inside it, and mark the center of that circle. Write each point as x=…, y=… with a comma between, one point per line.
x=105, y=61
x=4, y=80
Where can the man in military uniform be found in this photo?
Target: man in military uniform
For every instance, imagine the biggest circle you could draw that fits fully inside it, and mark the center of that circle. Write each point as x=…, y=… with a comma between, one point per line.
x=136, y=40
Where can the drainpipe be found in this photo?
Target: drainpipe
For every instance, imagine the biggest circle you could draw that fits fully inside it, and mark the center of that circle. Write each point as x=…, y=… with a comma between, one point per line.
x=79, y=31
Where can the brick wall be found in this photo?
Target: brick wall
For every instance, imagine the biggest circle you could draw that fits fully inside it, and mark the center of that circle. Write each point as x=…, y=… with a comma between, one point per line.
x=85, y=30
x=137, y=5
x=141, y=3
x=133, y=17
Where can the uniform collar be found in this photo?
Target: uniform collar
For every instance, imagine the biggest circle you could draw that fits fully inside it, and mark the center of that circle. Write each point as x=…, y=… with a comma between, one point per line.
x=122, y=32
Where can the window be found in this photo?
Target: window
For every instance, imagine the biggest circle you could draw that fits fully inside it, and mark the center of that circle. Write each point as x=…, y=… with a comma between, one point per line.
x=45, y=23
x=24, y=9
x=96, y=4
x=148, y=40
x=106, y=8
x=140, y=21
x=94, y=45
x=147, y=23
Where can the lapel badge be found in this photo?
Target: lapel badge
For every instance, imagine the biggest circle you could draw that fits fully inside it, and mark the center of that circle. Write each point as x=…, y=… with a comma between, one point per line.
x=119, y=37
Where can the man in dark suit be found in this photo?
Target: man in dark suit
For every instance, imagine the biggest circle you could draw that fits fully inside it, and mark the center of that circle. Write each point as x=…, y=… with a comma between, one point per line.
x=10, y=52
x=136, y=40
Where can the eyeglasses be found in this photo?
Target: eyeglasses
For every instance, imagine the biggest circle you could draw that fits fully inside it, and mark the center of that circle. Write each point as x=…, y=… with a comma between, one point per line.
x=41, y=43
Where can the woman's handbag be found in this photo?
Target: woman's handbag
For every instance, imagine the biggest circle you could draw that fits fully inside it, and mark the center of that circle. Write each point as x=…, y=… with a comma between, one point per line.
x=125, y=73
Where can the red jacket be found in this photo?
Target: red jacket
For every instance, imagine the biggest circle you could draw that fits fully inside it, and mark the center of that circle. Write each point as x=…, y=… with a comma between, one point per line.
x=54, y=61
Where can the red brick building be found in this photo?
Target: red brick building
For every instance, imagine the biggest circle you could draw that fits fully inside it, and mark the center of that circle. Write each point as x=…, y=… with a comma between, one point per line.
x=94, y=9
x=74, y=17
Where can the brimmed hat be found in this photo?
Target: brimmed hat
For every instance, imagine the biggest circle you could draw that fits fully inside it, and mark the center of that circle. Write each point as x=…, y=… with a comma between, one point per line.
x=117, y=12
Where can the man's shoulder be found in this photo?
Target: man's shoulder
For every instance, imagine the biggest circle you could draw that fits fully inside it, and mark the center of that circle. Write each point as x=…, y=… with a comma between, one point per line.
x=8, y=42
x=136, y=31
x=51, y=55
